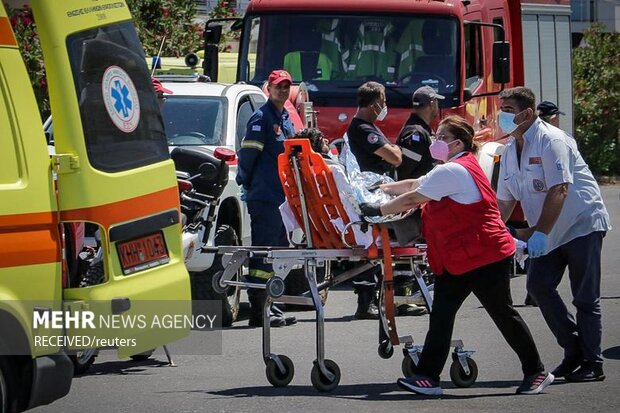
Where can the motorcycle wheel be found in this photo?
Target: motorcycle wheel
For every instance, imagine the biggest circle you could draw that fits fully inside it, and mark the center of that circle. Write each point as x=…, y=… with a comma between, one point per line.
x=94, y=276
x=142, y=356
x=82, y=360
x=201, y=282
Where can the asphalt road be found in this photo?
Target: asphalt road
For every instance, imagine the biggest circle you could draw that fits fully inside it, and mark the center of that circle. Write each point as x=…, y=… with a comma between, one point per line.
x=234, y=381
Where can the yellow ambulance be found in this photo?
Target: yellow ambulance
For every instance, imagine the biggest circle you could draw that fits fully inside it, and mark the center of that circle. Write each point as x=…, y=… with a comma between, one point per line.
x=111, y=169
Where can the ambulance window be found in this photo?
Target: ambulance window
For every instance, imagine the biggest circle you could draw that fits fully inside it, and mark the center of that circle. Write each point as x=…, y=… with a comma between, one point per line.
x=473, y=56
x=9, y=172
x=122, y=125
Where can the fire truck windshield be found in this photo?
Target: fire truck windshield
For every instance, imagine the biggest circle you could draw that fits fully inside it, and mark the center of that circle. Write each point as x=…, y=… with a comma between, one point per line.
x=334, y=54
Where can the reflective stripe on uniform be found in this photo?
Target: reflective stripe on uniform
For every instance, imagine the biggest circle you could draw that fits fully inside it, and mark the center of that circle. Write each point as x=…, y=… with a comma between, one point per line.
x=256, y=273
x=411, y=154
x=252, y=145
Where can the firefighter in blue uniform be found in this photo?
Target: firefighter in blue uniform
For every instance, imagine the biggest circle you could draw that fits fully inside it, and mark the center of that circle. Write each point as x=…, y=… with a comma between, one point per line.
x=257, y=173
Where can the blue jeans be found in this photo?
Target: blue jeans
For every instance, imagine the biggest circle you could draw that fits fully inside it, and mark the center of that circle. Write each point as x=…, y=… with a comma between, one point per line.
x=583, y=258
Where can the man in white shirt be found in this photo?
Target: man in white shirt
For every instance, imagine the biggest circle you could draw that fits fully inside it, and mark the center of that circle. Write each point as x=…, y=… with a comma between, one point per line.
x=543, y=169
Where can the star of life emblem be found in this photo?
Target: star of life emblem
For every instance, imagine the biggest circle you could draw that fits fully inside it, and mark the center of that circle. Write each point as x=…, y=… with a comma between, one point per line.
x=120, y=99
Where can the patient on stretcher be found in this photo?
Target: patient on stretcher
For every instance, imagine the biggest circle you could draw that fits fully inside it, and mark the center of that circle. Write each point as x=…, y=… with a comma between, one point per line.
x=361, y=188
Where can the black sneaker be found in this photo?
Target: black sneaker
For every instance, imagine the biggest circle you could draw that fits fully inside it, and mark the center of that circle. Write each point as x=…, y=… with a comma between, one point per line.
x=535, y=383
x=567, y=366
x=587, y=372
x=421, y=385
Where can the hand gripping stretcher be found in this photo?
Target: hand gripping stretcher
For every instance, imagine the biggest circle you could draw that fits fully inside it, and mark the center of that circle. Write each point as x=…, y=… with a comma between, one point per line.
x=314, y=198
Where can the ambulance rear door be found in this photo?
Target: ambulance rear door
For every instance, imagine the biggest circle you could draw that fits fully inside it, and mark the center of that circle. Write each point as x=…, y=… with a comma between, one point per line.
x=113, y=169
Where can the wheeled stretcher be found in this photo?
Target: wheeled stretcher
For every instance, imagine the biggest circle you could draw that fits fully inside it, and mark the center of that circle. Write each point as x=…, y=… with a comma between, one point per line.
x=314, y=199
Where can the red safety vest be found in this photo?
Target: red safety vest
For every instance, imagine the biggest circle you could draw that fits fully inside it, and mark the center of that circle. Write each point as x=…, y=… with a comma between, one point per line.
x=462, y=237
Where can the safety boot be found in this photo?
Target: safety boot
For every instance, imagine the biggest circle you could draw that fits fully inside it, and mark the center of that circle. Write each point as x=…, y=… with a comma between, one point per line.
x=257, y=300
x=366, y=307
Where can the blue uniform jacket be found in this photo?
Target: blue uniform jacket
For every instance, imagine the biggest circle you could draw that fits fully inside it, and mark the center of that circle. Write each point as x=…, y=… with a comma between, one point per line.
x=257, y=168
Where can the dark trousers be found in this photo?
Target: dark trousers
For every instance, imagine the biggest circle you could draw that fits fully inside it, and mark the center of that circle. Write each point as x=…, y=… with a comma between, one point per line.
x=491, y=285
x=583, y=258
x=267, y=229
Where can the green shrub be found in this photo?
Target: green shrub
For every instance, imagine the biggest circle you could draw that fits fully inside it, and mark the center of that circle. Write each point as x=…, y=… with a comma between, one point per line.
x=154, y=19
x=596, y=74
x=25, y=30
x=225, y=9
x=169, y=19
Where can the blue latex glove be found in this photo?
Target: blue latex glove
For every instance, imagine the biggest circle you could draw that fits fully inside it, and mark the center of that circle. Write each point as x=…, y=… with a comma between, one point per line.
x=243, y=194
x=537, y=244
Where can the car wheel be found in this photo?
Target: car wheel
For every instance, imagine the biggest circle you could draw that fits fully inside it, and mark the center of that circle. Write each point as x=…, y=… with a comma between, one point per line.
x=201, y=282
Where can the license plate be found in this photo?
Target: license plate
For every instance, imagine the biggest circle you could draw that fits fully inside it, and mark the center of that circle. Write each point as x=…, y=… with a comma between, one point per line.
x=142, y=253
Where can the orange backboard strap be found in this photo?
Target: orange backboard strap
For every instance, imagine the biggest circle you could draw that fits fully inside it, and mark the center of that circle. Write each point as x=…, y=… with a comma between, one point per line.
x=388, y=286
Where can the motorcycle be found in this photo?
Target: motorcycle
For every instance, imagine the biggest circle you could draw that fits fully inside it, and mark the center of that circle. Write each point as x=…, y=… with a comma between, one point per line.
x=202, y=175
x=87, y=270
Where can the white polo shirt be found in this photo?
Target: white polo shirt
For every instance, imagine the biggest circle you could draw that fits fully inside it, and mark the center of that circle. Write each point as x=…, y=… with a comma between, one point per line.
x=452, y=180
x=550, y=157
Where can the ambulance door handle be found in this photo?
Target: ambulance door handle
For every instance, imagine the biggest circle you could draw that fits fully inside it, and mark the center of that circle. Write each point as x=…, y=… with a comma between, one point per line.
x=120, y=305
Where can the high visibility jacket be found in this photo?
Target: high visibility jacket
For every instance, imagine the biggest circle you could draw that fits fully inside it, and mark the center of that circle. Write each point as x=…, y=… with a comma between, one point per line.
x=409, y=47
x=373, y=54
x=307, y=66
x=463, y=237
x=333, y=49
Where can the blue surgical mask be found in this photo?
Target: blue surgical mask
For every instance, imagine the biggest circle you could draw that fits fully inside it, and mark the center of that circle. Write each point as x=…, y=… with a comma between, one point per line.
x=506, y=121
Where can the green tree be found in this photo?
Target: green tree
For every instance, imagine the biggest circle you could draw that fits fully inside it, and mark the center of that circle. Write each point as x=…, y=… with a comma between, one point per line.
x=170, y=21
x=153, y=19
x=596, y=74
x=27, y=37
x=225, y=9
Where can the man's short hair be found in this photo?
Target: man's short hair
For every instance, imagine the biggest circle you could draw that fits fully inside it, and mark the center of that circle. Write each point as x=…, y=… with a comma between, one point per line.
x=369, y=93
x=523, y=96
x=315, y=136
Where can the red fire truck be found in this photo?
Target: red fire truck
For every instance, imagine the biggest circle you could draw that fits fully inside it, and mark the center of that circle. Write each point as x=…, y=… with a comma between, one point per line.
x=468, y=50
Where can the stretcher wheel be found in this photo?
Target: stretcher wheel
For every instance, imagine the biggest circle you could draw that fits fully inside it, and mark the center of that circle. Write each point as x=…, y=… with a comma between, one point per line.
x=275, y=287
x=408, y=367
x=385, y=349
x=275, y=376
x=215, y=281
x=458, y=376
x=322, y=383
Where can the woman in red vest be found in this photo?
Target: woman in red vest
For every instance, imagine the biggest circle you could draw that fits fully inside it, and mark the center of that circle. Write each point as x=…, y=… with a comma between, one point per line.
x=469, y=250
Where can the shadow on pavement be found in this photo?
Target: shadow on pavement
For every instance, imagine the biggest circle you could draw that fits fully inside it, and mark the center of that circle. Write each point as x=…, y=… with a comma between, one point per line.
x=372, y=392
x=123, y=367
x=612, y=353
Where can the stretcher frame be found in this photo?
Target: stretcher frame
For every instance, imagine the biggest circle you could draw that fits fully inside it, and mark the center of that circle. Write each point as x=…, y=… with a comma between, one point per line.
x=306, y=178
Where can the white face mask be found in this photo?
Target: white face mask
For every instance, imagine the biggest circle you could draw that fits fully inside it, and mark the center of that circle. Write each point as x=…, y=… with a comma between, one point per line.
x=383, y=113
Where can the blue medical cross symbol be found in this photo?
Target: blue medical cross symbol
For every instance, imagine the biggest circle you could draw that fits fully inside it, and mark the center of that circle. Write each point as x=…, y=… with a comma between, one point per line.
x=120, y=93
